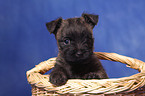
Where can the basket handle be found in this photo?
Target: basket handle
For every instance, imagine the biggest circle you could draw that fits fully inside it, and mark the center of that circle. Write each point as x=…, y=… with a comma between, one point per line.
x=45, y=66
x=131, y=62
x=42, y=67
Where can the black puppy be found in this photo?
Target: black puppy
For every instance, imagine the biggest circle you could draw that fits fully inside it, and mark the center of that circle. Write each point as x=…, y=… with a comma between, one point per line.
x=75, y=41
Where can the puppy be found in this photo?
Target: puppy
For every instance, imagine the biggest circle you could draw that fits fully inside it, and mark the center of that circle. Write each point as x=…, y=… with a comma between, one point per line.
x=75, y=42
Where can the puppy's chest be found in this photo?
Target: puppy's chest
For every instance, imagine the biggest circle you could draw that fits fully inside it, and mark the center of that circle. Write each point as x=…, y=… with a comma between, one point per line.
x=79, y=71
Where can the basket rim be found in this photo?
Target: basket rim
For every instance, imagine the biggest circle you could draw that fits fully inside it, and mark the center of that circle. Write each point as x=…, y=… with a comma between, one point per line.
x=94, y=86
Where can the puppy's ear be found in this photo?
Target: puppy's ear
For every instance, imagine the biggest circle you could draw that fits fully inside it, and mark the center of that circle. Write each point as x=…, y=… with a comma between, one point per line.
x=53, y=26
x=91, y=19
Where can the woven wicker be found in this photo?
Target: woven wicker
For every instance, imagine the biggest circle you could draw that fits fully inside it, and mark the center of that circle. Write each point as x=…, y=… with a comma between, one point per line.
x=126, y=86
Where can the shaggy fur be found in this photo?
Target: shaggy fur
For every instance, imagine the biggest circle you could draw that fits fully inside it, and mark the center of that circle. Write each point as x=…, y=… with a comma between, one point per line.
x=75, y=42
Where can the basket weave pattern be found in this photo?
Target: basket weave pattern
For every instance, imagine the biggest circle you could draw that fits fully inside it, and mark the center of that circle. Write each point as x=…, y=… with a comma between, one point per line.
x=122, y=86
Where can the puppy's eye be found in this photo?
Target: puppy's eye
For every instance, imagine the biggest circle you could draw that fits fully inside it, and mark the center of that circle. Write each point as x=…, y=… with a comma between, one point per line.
x=66, y=41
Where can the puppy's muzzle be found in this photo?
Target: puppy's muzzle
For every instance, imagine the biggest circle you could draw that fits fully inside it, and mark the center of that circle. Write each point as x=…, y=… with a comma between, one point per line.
x=79, y=54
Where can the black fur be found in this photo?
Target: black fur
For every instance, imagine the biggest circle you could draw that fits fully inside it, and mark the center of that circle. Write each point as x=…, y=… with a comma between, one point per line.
x=75, y=41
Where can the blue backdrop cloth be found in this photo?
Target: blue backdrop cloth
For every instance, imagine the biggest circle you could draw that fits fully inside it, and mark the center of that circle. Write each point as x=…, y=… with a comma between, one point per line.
x=25, y=41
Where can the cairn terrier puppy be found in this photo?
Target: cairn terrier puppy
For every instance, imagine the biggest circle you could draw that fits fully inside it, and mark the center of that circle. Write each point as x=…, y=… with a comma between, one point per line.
x=75, y=41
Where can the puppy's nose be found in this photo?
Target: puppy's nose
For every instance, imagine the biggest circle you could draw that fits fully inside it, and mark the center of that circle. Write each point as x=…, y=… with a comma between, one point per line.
x=79, y=54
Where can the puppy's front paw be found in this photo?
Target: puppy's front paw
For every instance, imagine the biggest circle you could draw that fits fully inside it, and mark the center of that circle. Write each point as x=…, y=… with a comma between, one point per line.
x=91, y=76
x=58, y=78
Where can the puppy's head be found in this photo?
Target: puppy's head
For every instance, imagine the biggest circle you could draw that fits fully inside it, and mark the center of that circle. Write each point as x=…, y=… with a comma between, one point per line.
x=74, y=36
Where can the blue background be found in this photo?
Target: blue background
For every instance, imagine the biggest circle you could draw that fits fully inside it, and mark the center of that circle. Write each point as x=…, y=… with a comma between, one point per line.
x=25, y=41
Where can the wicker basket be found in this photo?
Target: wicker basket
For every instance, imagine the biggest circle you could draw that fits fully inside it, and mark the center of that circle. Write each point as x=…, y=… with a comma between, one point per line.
x=126, y=86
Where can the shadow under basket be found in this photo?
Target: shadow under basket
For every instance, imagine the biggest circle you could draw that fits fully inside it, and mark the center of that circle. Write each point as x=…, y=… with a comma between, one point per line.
x=126, y=86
